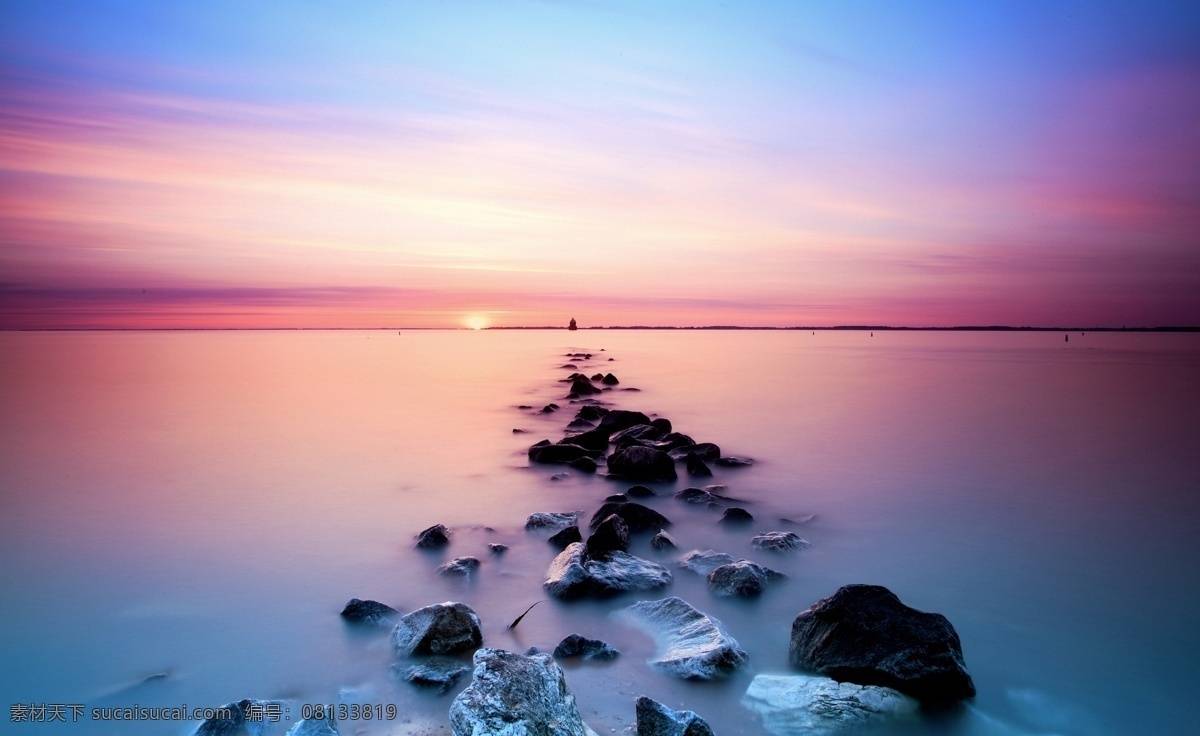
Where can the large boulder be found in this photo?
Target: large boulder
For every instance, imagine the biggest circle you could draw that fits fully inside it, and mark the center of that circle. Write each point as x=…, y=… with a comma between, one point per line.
x=691, y=645
x=618, y=419
x=741, y=579
x=797, y=704
x=516, y=695
x=637, y=517
x=865, y=635
x=704, y=562
x=439, y=674
x=638, y=432
x=696, y=466
x=656, y=719
x=372, y=613
x=443, y=628
x=583, y=386
x=572, y=574
x=566, y=537
x=546, y=521
x=595, y=440
x=591, y=413
x=611, y=536
x=779, y=541
x=246, y=717
x=636, y=462
x=544, y=452
x=581, y=646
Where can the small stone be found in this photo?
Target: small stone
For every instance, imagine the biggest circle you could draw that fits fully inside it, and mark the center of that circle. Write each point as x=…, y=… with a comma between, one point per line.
x=779, y=541
x=736, y=515
x=566, y=537
x=663, y=541
x=590, y=649
x=433, y=537
x=439, y=674
x=656, y=719
x=369, y=612
x=459, y=567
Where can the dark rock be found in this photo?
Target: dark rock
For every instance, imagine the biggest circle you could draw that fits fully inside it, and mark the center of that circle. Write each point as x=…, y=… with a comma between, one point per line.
x=579, y=646
x=736, y=515
x=326, y=726
x=616, y=498
x=566, y=537
x=706, y=451
x=439, y=674
x=675, y=439
x=598, y=377
x=591, y=413
x=443, y=628
x=593, y=439
x=637, y=432
x=662, y=424
x=656, y=719
x=611, y=360
x=741, y=579
x=734, y=462
x=516, y=695
x=549, y=453
x=518, y=431
x=609, y=379
x=696, y=466
x=247, y=717
x=459, y=567
x=663, y=541
x=373, y=613
x=702, y=563
x=569, y=366
x=865, y=635
x=497, y=548
x=545, y=521
x=639, y=492
x=697, y=496
x=548, y=408
x=691, y=645
x=524, y=406
x=612, y=535
x=583, y=386
x=562, y=476
x=433, y=537
x=573, y=575
x=583, y=465
x=637, y=517
x=618, y=419
x=580, y=425
x=642, y=463
x=779, y=541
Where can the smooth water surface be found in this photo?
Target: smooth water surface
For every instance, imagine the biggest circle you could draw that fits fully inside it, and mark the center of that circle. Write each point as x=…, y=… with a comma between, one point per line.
x=200, y=505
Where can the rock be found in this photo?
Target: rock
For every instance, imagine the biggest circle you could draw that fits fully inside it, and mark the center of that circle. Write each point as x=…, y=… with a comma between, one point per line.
x=595, y=440
x=439, y=673
x=609, y=380
x=524, y=406
x=591, y=413
x=697, y=496
x=691, y=645
x=779, y=541
x=696, y=466
x=741, y=579
x=662, y=424
x=562, y=476
x=566, y=537
x=247, y=717
x=573, y=575
x=618, y=419
x=637, y=517
x=702, y=563
x=663, y=541
x=496, y=548
x=580, y=425
x=734, y=462
x=612, y=535
x=433, y=537
x=583, y=386
x=673, y=440
x=706, y=451
x=598, y=377
x=616, y=498
x=579, y=646
x=569, y=366
x=796, y=704
x=544, y=521
x=865, y=635
x=642, y=463
x=584, y=465
x=637, y=432
x=736, y=515
x=549, y=408
x=443, y=628
x=316, y=726
x=517, y=430
x=459, y=567
x=516, y=695
x=656, y=719
x=548, y=453
x=639, y=492
x=373, y=613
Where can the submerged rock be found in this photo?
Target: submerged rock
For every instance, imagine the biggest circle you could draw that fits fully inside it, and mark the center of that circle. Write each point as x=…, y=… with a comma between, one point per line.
x=741, y=579
x=566, y=537
x=547, y=521
x=609, y=380
x=696, y=466
x=434, y=537
x=316, y=726
x=698, y=496
x=459, y=567
x=736, y=515
x=591, y=413
x=663, y=541
x=691, y=645
x=638, y=432
x=618, y=419
x=372, y=613
x=544, y=452
x=795, y=704
x=779, y=541
x=702, y=563
x=580, y=646
x=496, y=548
x=247, y=717
x=443, y=628
x=439, y=673
x=656, y=719
x=583, y=464
x=734, y=462
x=865, y=635
x=642, y=463
x=639, y=492
x=573, y=575
x=637, y=517
x=516, y=695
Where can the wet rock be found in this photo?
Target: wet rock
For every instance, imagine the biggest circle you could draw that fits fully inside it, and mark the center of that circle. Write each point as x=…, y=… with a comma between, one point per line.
x=642, y=463
x=566, y=537
x=517, y=430
x=779, y=541
x=637, y=432
x=656, y=719
x=639, y=492
x=580, y=425
x=524, y=406
x=573, y=575
x=583, y=465
x=583, y=386
x=561, y=476
x=516, y=695
x=569, y=366
x=736, y=515
x=609, y=380
x=593, y=439
x=734, y=462
x=459, y=567
x=674, y=440
x=663, y=541
x=706, y=451
x=795, y=704
x=696, y=466
x=612, y=535
x=245, y=719
x=618, y=419
x=548, y=408
x=616, y=498
x=433, y=537
x=545, y=521
x=372, y=613
x=443, y=628
x=316, y=726
x=865, y=635
x=439, y=673
x=580, y=646
x=662, y=424
x=591, y=413
x=741, y=579
x=496, y=548
x=637, y=517
x=691, y=645
x=697, y=496
x=702, y=563
x=598, y=377
x=544, y=452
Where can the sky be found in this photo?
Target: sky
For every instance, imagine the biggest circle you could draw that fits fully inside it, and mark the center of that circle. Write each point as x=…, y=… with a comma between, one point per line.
x=491, y=163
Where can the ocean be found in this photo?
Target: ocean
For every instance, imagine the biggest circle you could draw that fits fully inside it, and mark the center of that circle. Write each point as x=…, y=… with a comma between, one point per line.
x=184, y=514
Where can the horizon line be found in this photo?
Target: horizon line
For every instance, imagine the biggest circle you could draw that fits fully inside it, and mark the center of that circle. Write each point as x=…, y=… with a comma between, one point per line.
x=835, y=328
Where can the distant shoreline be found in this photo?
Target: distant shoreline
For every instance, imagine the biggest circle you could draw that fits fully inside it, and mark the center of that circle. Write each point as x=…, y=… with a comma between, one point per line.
x=838, y=328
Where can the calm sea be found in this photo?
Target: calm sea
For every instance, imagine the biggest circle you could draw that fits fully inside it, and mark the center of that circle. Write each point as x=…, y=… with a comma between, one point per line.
x=184, y=514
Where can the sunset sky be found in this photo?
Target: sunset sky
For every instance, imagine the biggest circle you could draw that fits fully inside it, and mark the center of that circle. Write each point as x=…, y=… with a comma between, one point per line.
x=404, y=164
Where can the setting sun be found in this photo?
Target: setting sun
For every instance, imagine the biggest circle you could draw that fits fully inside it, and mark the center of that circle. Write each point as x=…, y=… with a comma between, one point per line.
x=476, y=321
